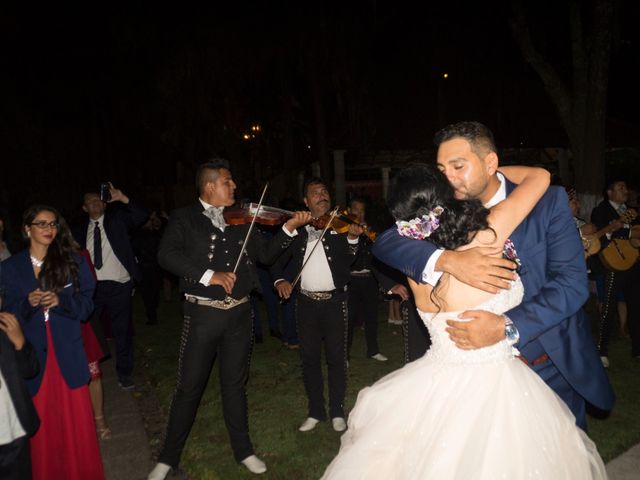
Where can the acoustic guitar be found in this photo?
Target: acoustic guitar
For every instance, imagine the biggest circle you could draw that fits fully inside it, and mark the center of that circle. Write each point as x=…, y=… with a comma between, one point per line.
x=591, y=241
x=621, y=253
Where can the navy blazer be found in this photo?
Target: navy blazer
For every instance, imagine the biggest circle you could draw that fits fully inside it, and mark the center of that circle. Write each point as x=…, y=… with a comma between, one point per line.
x=119, y=221
x=18, y=280
x=555, y=284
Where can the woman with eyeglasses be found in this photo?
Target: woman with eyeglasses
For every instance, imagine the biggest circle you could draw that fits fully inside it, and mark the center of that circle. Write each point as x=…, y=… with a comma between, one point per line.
x=49, y=288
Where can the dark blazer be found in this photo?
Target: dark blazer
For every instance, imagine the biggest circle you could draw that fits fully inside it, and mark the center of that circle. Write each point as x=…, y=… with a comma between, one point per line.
x=189, y=239
x=119, y=221
x=340, y=255
x=18, y=281
x=555, y=284
x=17, y=366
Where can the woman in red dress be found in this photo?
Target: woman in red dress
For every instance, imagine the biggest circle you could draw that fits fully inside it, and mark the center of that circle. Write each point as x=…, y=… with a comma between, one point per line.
x=49, y=288
x=95, y=354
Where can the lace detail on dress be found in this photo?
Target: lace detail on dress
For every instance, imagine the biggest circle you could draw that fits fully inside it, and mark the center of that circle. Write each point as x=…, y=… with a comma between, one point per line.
x=444, y=350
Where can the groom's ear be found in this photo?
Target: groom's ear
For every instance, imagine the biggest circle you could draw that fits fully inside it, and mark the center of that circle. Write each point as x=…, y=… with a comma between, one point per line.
x=491, y=163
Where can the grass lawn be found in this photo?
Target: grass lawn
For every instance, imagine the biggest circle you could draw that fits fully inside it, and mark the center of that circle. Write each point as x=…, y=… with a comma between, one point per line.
x=277, y=402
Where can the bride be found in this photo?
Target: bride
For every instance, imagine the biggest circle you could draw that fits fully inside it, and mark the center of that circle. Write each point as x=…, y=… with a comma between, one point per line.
x=458, y=413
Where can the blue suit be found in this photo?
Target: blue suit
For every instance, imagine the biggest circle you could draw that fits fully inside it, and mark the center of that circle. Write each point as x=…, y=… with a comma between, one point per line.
x=550, y=318
x=18, y=280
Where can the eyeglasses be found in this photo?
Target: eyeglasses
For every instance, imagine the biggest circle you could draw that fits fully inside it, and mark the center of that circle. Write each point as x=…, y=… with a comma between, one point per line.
x=43, y=225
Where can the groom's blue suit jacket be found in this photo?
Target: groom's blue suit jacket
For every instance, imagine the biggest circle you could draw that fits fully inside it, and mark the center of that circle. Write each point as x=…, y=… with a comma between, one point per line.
x=550, y=318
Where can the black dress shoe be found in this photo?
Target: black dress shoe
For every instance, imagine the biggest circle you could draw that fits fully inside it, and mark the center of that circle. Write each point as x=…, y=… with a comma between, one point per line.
x=276, y=333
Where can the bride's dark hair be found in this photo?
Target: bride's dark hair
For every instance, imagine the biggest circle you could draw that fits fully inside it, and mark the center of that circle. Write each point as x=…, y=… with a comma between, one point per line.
x=418, y=189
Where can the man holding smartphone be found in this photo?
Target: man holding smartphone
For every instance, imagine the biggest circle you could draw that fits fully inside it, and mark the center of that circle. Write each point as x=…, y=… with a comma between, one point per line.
x=105, y=234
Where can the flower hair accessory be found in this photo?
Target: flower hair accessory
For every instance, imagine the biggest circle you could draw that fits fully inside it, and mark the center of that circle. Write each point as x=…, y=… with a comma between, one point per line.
x=421, y=227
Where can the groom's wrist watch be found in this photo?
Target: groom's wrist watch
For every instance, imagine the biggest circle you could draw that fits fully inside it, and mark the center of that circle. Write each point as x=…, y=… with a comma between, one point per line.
x=510, y=331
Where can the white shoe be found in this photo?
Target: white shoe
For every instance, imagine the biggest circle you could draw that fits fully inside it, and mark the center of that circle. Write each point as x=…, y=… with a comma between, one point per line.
x=339, y=425
x=309, y=424
x=159, y=472
x=380, y=357
x=605, y=361
x=394, y=322
x=254, y=464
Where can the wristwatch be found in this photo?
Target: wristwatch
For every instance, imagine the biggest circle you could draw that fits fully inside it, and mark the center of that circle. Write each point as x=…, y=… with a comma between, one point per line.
x=510, y=331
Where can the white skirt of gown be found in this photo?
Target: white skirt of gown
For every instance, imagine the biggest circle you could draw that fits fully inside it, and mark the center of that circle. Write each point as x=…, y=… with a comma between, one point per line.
x=464, y=415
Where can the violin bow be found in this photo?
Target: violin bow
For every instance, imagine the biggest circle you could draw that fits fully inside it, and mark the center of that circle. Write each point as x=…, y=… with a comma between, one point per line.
x=333, y=215
x=253, y=221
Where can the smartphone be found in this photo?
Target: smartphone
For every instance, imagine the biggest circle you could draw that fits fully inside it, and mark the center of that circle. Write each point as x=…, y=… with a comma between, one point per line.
x=105, y=191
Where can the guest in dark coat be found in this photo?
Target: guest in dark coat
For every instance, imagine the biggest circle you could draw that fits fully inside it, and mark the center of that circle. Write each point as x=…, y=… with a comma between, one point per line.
x=105, y=234
x=18, y=417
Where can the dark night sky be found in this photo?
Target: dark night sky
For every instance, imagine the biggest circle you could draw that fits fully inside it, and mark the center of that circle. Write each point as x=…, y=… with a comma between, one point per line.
x=123, y=87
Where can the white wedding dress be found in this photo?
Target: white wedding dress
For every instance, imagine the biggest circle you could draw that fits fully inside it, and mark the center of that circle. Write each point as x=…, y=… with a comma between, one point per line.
x=464, y=415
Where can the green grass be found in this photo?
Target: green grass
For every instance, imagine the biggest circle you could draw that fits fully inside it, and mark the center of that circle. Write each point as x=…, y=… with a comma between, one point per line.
x=277, y=403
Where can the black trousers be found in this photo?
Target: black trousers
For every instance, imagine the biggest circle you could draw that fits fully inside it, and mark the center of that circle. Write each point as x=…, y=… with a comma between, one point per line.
x=115, y=298
x=323, y=322
x=416, y=335
x=363, y=300
x=150, y=291
x=15, y=460
x=208, y=333
x=627, y=282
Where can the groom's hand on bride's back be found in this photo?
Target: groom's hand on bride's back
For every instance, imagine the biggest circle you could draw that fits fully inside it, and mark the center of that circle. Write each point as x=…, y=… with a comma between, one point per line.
x=481, y=330
x=478, y=267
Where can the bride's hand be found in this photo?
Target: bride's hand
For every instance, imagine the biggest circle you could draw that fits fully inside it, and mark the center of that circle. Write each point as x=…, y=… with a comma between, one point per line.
x=482, y=330
x=478, y=267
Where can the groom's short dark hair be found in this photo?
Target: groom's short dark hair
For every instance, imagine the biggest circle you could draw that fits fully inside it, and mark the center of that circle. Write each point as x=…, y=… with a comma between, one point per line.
x=476, y=133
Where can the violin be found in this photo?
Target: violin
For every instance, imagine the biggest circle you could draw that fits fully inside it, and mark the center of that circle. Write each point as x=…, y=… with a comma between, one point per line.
x=341, y=223
x=269, y=216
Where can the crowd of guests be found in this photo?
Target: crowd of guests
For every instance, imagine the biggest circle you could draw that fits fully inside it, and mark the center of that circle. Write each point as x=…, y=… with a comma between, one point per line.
x=71, y=288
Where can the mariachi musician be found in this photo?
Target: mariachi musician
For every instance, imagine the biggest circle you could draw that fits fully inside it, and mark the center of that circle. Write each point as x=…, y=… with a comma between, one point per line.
x=201, y=249
x=621, y=284
x=323, y=258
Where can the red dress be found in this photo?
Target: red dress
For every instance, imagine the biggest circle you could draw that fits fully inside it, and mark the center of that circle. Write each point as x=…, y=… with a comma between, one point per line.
x=91, y=344
x=65, y=446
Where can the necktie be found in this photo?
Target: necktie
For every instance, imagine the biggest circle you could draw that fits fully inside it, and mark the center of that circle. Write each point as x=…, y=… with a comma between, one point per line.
x=622, y=208
x=97, y=247
x=215, y=214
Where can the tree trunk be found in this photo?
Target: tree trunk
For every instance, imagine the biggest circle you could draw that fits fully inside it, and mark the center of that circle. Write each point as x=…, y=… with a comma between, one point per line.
x=581, y=109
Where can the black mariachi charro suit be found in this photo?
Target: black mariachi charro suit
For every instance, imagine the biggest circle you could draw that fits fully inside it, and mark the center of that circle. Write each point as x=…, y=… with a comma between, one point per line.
x=363, y=294
x=191, y=245
x=319, y=320
x=627, y=282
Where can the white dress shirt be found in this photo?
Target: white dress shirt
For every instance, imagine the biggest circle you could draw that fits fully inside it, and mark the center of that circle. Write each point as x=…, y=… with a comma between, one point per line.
x=316, y=276
x=10, y=426
x=111, y=269
x=206, y=277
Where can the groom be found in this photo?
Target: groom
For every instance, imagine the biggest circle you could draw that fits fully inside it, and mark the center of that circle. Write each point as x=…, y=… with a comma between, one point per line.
x=551, y=331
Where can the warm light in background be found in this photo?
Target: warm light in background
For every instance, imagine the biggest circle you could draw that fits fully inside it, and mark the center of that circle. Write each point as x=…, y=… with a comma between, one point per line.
x=445, y=75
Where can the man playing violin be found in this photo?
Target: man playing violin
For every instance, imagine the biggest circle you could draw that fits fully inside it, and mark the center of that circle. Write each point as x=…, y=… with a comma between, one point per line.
x=321, y=305
x=201, y=249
